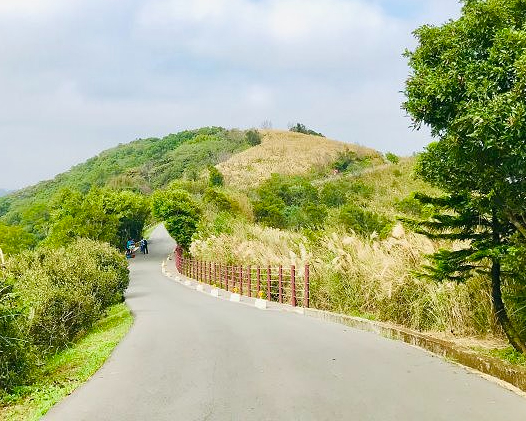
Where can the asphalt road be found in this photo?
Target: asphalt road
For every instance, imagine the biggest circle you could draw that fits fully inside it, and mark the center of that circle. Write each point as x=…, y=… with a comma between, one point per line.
x=190, y=356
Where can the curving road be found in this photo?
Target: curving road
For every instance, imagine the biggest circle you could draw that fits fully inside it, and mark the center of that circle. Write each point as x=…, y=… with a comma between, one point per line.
x=190, y=356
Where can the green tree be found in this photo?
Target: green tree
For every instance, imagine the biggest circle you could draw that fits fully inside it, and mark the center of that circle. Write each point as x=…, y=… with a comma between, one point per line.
x=179, y=212
x=215, y=178
x=467, y=84
x=75, y=215
x=131, y=209
x=14, y=239
x=253, y=137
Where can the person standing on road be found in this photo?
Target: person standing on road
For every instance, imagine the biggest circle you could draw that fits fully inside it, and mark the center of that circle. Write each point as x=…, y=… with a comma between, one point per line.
x=144, y=246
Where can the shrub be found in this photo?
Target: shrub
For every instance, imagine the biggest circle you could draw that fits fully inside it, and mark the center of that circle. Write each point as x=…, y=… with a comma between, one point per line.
x=253, y=137
x=300, y=128
x=220, y=200
x=392, y=158
x=270, y=213
x=344, y=160
x=334, y=193
x=289, y=202
x=215, y=178
x=364, y=222
x=15, y=354
x=52, y=297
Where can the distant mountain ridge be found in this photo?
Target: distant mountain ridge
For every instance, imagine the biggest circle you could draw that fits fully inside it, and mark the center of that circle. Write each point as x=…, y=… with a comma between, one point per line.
x=3, y=192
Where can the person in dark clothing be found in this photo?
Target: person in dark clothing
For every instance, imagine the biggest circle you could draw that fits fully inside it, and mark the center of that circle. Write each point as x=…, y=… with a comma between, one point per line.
x=144, y=246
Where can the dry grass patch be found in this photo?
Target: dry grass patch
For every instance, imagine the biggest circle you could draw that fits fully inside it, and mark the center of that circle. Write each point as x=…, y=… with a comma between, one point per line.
x=287, y=153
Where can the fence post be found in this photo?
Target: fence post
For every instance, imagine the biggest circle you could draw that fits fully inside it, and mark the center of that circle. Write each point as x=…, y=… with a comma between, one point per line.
x=306, y=297
x=293, y=285
x=259, y=279
x=215, y=273
x=249, y=281
x=226, y=277
x=269, y=275
x=280, y=285
x=241, y=280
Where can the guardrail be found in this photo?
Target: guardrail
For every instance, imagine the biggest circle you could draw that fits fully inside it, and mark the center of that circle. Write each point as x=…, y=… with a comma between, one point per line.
x=274, y=283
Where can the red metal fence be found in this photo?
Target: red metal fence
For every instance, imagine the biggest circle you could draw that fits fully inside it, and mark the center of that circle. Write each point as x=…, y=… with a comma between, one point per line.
x=280, y=284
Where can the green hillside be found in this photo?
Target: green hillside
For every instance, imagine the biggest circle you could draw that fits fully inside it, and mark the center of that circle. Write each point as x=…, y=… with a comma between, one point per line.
x=141, y=165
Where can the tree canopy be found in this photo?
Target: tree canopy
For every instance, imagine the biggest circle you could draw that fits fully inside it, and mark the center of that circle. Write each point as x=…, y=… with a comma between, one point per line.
x=468, y=84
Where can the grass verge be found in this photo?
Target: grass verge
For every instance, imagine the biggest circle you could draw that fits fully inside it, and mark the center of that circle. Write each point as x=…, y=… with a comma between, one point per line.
x=507, y=354
x=69, y=369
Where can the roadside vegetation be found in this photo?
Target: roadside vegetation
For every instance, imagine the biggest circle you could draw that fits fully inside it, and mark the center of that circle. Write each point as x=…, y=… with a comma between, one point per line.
x=64, y=371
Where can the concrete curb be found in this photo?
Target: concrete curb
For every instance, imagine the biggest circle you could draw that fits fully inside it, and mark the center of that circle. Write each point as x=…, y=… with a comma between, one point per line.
x=511, y=377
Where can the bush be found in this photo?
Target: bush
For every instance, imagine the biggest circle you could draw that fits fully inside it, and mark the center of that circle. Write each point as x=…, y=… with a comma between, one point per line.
x=220, y=200
x=392, y=158
x=300, y=128
x=215, y=178
x=365, y=222
x=253, y=137
x=15, y=355
x=334, y=193
x=270, y=213
x=289, y=202
x=345, y=160
x=54, y=295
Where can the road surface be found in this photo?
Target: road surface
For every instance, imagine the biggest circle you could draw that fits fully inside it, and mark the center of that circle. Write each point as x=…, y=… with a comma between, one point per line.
x=190, y=356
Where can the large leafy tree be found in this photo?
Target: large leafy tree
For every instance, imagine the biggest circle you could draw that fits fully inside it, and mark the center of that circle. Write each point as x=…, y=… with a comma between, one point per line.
x=468, y=84
x=179, y=212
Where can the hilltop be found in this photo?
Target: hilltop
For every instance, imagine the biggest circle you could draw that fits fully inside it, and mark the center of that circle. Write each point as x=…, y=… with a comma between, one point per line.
x=286, y=153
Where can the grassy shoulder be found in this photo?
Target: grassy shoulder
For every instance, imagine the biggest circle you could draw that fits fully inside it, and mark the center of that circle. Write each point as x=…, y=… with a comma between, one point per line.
x=69, y=369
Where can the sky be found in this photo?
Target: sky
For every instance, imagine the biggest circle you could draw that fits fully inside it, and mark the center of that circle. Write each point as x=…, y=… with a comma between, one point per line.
x=81, y=76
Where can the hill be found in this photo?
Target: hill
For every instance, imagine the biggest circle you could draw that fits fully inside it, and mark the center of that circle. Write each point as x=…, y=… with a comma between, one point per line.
x=141, y=165
x=286, y=153
x=146, y=164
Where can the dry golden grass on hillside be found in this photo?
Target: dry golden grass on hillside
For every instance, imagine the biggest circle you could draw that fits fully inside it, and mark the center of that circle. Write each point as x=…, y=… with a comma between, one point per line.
x=283, y=152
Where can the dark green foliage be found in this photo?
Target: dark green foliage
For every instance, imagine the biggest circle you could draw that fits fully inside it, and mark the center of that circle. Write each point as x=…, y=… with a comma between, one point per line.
x=101, y=214
x=345, y=160
x=467, y=84
x=220, y=200
x=334, y=193
x=300, y=128
x=413, y=207
x=365, y=222
x=392, y=158
x=253, y=137
x=309, y=215
x=289, y=202
x=15, y=355
x=270, y=212
x=179, y=212
x=50, y=297
x=215, y=178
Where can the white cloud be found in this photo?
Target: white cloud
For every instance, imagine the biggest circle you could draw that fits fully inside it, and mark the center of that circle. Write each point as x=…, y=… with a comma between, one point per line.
x=78, y=76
